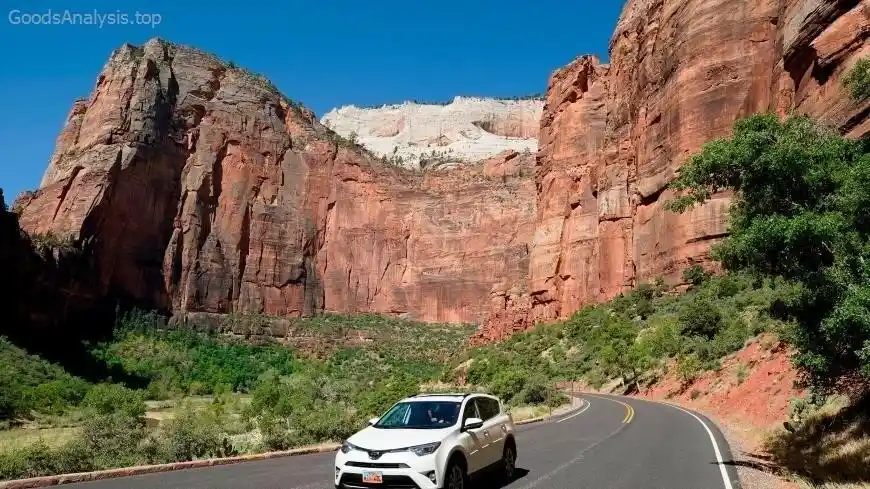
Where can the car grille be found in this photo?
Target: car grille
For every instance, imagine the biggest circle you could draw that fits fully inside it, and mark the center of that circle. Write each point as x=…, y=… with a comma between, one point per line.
x=390, y=482
x=373, y=465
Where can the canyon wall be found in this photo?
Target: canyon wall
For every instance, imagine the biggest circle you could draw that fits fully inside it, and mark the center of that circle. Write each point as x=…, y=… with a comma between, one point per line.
x=613, y=136
x=198, y=187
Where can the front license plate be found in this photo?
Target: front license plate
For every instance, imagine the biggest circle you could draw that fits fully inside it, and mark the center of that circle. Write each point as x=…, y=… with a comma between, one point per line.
x=373, y=478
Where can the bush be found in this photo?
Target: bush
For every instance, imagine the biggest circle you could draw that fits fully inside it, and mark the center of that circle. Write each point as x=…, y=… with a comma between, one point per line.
x=688, y=368
x=14, y=402
x=538, y=392
x=34, y=460
x=741, y=373
x=193, y=436
x=330, y=422
x=107, y=399
x=110, y=440
x=858, y=80
x=695, y=275
x=700, y=317
x=56, y=396
x=508, y=384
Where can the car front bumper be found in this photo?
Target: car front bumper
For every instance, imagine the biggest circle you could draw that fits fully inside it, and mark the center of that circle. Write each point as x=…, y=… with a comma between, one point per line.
x=400, y=470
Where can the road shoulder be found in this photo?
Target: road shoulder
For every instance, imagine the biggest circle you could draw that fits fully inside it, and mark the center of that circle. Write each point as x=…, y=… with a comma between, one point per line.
x=54, y=480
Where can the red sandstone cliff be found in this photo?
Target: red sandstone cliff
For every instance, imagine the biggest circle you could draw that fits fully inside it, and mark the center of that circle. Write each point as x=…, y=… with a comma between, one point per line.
x=200, y=188
x=612, y=137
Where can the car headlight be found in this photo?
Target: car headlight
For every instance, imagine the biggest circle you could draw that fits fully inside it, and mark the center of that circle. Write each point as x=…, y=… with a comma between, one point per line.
x=427, y=449
x=346, y=447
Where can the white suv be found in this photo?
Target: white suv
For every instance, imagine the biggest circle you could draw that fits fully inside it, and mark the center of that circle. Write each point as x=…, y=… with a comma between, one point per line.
x=430, y=441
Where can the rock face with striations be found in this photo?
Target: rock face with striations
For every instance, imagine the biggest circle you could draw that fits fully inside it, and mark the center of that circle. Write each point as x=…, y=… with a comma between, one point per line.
x=612, y=137
x=200, y=188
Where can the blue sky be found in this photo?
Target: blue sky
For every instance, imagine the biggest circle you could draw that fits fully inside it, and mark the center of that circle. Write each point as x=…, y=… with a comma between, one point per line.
x=324, y=53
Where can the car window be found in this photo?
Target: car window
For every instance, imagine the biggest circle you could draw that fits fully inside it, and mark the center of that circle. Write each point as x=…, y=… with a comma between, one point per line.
x=488, y=407
x=471, y=410
x=420, y=415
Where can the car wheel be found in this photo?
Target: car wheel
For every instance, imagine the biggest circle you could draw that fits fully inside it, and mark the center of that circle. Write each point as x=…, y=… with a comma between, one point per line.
x=456, y=476
x=509, y=462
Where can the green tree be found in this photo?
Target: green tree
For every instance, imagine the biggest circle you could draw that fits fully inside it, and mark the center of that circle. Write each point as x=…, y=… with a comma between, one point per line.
x=801, y=212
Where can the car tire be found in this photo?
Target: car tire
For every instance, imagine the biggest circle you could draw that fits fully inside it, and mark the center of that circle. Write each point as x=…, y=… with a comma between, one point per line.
x=456, y=475
x=509, y=461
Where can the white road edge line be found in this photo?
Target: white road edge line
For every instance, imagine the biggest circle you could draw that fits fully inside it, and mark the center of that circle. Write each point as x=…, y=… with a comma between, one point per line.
x=725, y=478
x=578, y=413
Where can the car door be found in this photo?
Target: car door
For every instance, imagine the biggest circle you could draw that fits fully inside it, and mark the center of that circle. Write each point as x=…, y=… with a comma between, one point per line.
x=492, y=428
x=474, y=441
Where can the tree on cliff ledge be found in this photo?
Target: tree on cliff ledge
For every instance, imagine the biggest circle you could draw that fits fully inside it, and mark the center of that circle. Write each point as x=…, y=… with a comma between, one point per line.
x=801, y=211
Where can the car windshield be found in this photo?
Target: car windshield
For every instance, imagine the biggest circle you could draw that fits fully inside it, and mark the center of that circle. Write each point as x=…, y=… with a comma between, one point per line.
x=420, y=415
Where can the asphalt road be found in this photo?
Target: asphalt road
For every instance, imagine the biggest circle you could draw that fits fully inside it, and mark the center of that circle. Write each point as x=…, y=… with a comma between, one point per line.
x=609, y=443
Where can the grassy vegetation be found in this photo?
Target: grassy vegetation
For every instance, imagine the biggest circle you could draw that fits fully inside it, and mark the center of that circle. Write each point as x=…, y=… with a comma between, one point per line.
x=634, y=338
x=827, y=445
x=213, y=395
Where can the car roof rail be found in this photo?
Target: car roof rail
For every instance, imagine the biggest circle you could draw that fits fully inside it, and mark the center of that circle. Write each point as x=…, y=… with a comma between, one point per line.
x=445, y=394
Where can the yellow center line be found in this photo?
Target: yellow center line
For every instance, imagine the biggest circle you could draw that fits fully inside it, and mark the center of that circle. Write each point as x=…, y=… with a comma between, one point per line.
x=629, y=411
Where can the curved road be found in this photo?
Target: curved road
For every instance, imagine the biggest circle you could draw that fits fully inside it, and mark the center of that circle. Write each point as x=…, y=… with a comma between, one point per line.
x=610, y=442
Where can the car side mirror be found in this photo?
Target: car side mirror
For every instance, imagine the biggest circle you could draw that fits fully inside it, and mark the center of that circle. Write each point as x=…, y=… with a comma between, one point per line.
x=472, y=423
x=373, y=421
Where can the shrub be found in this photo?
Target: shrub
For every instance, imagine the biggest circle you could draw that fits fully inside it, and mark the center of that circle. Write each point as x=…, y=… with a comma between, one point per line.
x=107, y=399
x=700, y=317
x=858, y=80
x=110, y=440
x=34, y=460
x=508, y=384
x=695, y=275
x=741, y=374
x=538, y=391
x=14, y=402
x=329, y=422
x=277, y=433
x=688, y=368
x=56, y=396
x=193, y=436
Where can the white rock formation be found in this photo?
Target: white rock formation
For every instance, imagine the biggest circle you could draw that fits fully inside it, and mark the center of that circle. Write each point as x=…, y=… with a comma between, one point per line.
x=467, y=129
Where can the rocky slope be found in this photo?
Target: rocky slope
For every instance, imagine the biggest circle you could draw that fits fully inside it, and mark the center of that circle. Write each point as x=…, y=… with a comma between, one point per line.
x=612, y=136
x=200, y=188
x=466, y=129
